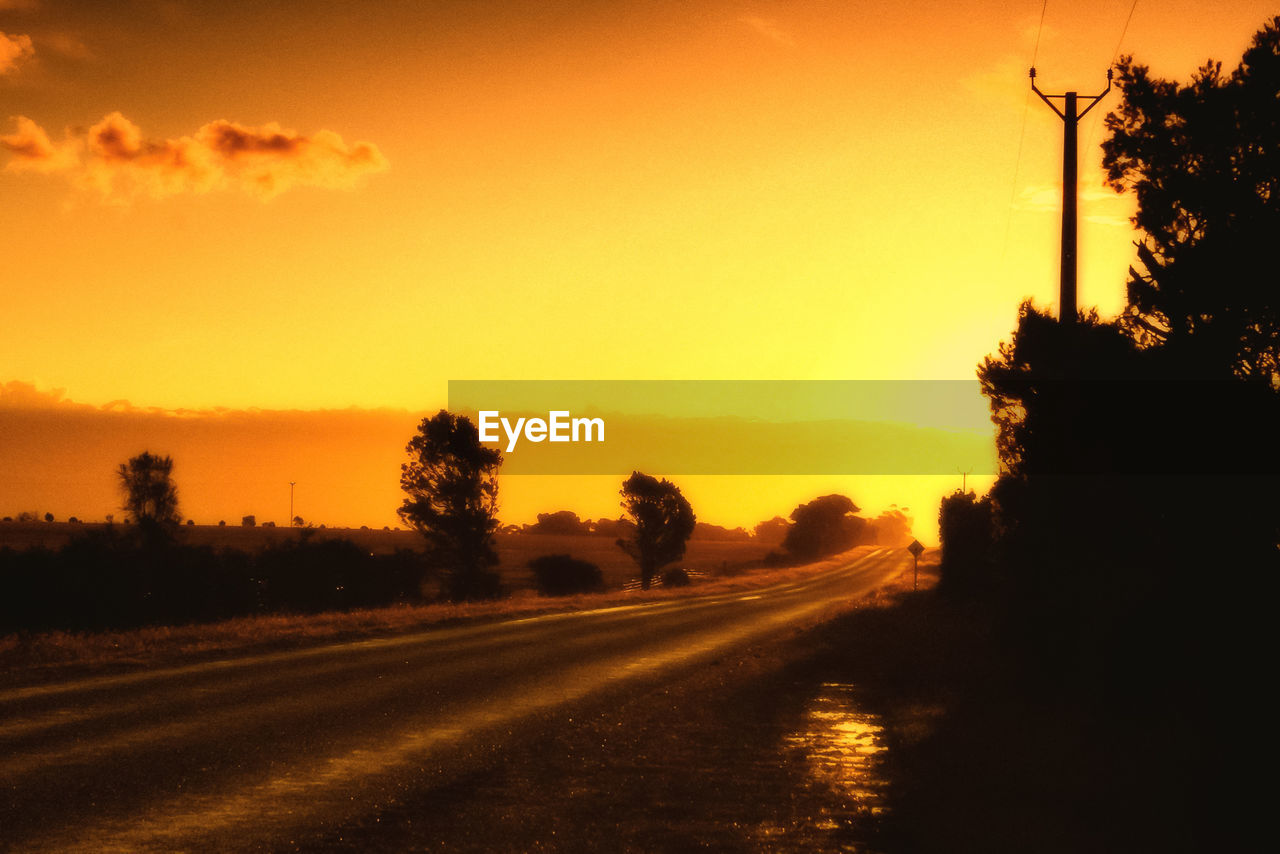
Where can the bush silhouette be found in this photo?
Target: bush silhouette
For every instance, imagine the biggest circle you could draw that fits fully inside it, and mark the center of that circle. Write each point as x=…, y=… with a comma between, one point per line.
x=562, y=575
x=110, y=578
x=675, y=577
x=966, y=529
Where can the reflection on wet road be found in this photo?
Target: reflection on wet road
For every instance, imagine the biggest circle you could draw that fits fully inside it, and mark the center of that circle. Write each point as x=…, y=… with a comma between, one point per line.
x=838, y=745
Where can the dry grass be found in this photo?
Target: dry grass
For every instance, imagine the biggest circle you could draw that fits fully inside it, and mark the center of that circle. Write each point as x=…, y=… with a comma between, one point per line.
x=54, y=654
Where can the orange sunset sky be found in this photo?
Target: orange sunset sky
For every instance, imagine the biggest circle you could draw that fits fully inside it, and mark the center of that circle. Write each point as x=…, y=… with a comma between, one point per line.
x=268, y=213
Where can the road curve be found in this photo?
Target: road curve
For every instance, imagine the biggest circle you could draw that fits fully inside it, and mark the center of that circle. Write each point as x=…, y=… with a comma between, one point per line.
x=247, y=752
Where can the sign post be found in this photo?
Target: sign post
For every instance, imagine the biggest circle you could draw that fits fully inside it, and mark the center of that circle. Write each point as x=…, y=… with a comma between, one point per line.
x=916, y=550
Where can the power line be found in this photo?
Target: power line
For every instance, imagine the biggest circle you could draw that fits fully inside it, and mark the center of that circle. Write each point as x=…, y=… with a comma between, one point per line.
x=1036, y=52
x=1013, y=189
x=1022, y=133
x=1123, y=31
x=1093, y=125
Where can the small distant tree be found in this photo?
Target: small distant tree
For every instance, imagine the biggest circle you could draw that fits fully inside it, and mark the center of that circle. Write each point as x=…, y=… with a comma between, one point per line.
x=48, y=517
x=719, y=533
x=559, y=522
x=451, y=488
x=663, y=520
x=892, y=528
x=150, y=494
x=298, y=522
x=248, y=521
x=621, y=527
x=772, y=531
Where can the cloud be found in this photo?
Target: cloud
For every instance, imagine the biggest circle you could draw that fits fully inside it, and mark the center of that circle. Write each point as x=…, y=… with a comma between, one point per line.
x=19, y=5
x=66, y=44
x=32, y=149
x=1108, y=219
x=115, y=159
x=1048, y=197
x=769, y=29
x=16, y=394
x=1004, y=82
x=13, y=50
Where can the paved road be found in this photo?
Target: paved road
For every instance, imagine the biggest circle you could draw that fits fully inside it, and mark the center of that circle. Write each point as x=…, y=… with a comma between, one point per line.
x=244, y=753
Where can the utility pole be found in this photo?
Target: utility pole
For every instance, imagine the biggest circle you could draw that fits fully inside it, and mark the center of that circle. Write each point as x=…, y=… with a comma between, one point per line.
x=1070, y=120
x=964, y=479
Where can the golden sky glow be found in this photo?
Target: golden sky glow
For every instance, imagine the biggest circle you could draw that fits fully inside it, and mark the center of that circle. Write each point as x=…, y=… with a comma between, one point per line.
x=319, y=205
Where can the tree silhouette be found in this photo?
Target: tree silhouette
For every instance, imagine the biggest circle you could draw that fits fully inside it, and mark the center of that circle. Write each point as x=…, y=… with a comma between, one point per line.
x=664, y=522
x=1201, y=160
x=824, y=526
x=150, y=494
x=451, y=483
x=1064, y=397
x=1136, y=455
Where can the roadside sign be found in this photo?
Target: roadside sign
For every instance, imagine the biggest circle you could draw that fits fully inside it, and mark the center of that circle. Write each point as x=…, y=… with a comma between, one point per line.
x=916, y=549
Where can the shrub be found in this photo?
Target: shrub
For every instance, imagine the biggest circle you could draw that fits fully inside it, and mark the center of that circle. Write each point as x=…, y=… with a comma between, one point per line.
x=675, y=577
x=562, y=575
x=967, y=529
x=776, y=558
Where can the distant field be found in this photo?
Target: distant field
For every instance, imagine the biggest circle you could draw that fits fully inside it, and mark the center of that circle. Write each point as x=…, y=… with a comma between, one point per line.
x=514, y=550
x=54, y=535
x=710, y=556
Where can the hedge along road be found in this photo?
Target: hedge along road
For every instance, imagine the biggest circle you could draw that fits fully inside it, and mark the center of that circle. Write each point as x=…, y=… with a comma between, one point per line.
x=249, y=752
